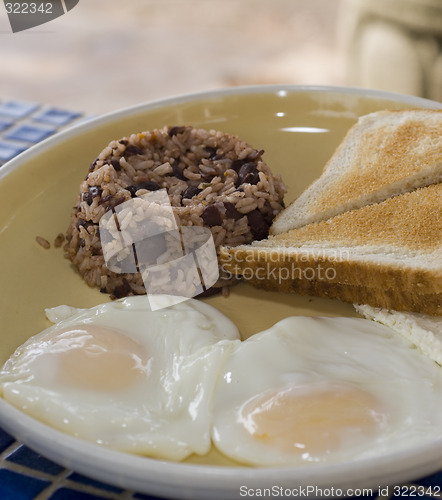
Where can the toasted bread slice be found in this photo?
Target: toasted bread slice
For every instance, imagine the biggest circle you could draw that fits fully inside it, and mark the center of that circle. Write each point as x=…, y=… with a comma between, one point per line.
x=387, y=255
x=384, y=154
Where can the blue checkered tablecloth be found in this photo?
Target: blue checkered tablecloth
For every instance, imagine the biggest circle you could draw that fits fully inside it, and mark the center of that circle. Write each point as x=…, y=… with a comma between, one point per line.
x=23, y=124
x=24, y=474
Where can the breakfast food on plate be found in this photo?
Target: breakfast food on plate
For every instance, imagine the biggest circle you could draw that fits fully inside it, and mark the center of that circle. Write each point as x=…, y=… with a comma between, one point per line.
x=176, y=381
x=387, y=255
x=369, y=230
x=384, y=154
x=309, y=390
x=213, y=179
x=125, y=377
x=425, y=332
x=173, y=383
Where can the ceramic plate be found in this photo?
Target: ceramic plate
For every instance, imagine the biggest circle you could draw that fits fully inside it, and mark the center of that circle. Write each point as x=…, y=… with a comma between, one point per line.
x=299, y=128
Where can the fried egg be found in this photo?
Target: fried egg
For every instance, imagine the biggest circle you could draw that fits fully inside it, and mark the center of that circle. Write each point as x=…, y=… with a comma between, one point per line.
x=125, y=377
x=320, y=390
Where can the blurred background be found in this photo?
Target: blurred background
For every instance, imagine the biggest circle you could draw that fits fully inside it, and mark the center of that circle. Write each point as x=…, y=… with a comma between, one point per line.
x=107, y=54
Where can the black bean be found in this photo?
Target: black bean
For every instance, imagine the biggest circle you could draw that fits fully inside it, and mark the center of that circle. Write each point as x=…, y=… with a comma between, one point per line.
x=93, y=165
x=175, y=130
x=269, y=218
x=231, y=211
x=191, y=191
x=177, y=172
x=212, y=216
x=132, y=150
x=122, y=290
x=116, y=165
x=251, y=178
x=268, y=213
x=237, y=164
x=149, y=185
x=252, y=157
x=87, y=197
x=92, y=192
x=258, y=226
x=248, y=173
x=212, y=152
x=206, y=177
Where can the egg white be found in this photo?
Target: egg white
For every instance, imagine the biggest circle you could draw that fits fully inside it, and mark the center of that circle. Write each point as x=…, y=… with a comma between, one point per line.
x=165, y=383
x=125, y=377
x=395, y=392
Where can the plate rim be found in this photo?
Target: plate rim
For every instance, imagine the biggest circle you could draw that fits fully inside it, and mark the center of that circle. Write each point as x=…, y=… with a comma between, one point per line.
x=386, y=470
x=95, y=121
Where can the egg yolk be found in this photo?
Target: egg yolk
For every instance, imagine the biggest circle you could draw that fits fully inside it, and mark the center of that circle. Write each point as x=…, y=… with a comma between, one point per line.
x=313, y=421
x=95, y=357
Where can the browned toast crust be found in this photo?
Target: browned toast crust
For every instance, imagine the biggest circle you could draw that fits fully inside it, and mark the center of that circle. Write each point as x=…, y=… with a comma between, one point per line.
x=352, y=281
x=393, y=300
x=412, y=221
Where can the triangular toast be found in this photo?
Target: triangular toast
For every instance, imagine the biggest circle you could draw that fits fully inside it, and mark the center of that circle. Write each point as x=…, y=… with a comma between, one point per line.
x=387, y=255
x=384, y=154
